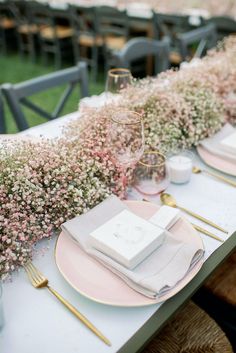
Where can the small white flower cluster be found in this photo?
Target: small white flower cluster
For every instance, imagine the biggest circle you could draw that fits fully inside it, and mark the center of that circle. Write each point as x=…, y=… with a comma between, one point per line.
x=41, y=186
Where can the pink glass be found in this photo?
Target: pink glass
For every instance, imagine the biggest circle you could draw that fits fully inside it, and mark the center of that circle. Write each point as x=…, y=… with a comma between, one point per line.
x=151, y=175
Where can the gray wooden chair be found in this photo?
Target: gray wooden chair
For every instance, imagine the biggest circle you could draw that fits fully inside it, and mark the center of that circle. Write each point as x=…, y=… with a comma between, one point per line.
x=31, y=17
x=86, y=42
x=2, y=117
x=17, y=94
x=99, y=29
x=26, y=30
x=138, y=48
x=112, y=26
x=55, y=33
x=170, y=25
x=195, y=43
x=7, y=26
x=225, y=25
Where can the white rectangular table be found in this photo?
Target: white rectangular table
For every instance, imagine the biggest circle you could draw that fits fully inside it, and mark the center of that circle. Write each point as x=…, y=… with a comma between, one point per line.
x=36, y=322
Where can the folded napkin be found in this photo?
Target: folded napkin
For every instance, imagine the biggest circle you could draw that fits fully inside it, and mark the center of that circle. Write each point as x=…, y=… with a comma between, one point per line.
x=154, y=276
x=212, y=144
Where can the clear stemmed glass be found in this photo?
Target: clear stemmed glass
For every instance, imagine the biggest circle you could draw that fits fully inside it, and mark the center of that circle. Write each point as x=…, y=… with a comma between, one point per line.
x=117, y=79
x=125, y=139
x=151, y=175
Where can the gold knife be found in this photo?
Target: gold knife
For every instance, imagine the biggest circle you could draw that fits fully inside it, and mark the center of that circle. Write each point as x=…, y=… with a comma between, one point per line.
x=206, y=232
x=200, y=229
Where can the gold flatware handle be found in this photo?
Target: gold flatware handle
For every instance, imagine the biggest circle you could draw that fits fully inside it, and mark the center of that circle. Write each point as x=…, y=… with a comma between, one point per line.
x=204, y=231
x=80, y=316
x=220, y=177
x=191, y=213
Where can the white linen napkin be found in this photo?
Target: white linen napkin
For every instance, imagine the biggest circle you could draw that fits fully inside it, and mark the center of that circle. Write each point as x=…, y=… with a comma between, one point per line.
x=212, y=144
x=154, y=276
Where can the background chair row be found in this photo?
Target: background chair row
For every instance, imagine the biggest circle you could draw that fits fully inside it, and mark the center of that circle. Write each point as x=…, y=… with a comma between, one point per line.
x=68, y=31
x=16, y=95
x=134, y=50
x=194, y=43
x=93, y=34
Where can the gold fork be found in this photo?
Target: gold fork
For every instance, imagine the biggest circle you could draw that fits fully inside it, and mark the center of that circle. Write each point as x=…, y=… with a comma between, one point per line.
x=39, y=281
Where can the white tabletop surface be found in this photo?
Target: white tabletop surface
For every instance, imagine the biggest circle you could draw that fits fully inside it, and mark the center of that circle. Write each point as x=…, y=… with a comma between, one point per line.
x=35, y=322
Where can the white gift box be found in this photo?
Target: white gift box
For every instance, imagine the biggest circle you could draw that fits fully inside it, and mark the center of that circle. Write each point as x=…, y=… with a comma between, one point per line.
x=165, y=217
x=127, y=238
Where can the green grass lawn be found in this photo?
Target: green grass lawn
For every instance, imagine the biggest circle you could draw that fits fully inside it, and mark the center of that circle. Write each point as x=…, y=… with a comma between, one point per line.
x=14, y=69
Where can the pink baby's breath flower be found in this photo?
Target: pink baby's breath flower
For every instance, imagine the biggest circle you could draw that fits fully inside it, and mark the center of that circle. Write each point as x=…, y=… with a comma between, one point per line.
x=43, y=184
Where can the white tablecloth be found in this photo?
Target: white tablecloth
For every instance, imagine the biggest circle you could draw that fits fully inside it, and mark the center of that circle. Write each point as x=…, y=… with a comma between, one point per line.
x=37, y=323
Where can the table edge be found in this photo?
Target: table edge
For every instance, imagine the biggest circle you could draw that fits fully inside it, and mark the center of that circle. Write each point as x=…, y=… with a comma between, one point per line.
x=171, y=306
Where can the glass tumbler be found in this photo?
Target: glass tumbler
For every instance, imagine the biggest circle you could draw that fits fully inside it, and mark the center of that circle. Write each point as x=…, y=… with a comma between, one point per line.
x=151, y=175
x=117, y=79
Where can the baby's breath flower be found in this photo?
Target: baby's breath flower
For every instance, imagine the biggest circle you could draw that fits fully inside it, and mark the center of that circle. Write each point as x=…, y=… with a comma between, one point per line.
x=43, y=184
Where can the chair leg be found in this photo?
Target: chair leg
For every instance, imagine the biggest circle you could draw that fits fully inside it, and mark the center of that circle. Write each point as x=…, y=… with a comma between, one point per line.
x=58, y=58
x=57, y=61
x=43, y=54
x=32, y=48
x=94, y=63
x=106, y=60
x=2, y=120
x=4, y=43
x=20, y=45
x=76, y=52
x=1, y=43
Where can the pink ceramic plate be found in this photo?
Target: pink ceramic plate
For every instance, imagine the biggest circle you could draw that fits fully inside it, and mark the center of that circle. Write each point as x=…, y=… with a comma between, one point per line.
x=97, y=283
x=217, y=162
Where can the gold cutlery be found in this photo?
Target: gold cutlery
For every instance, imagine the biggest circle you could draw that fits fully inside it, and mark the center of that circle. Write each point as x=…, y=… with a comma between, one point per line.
x=39, y=281
x=206, y=232
x=200, y=229
x=169, y=200
x=197, y=170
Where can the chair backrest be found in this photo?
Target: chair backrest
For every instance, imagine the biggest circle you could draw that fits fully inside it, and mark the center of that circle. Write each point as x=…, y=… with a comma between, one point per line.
x=204, y=37
x=16, y=94
x=7, y=26
x=36, y=12
x=169, y=25
x=111, y=21
x=224, y=25
x=138, y=48
x=6, y=9
x=59, y=17
x=83, y=18
x=43, y=14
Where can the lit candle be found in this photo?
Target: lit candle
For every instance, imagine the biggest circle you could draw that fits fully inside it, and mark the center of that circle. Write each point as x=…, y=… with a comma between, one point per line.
x=180, y=168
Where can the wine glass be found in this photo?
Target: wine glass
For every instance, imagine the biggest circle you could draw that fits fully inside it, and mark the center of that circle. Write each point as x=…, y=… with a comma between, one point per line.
x=151, y=175
x=117, y=79
x=125, y=139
